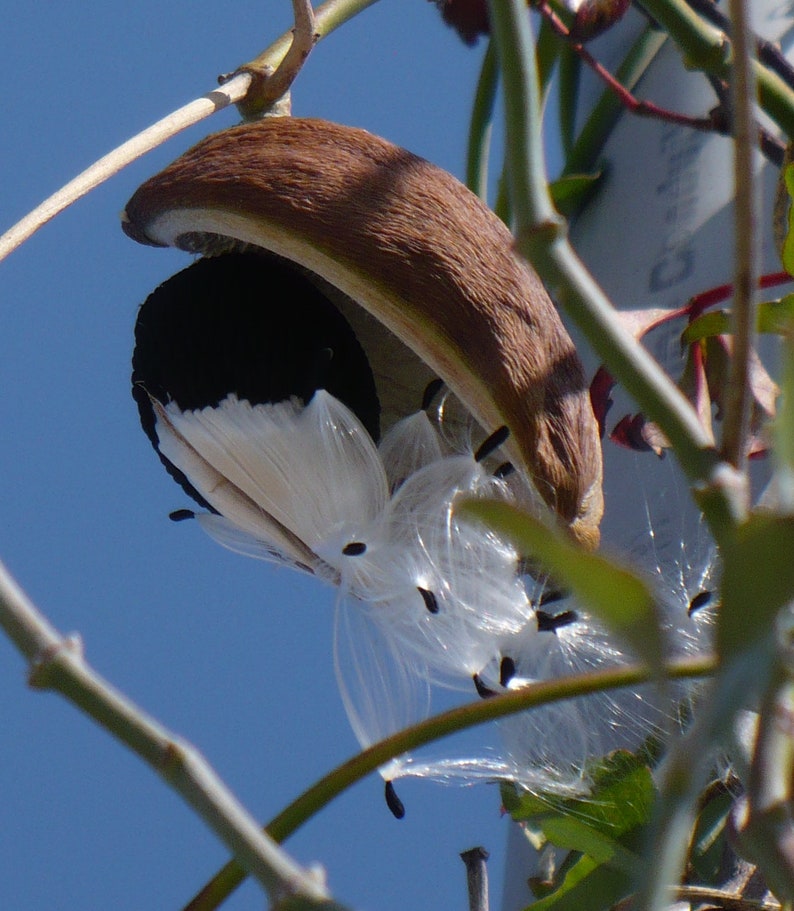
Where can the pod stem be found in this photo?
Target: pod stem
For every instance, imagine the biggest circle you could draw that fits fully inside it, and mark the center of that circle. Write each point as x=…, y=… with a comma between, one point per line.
x=235, y=90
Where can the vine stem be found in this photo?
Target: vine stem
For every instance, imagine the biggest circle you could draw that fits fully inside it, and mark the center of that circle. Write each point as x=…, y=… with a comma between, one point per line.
x=479, y=141
x=57, y=663
x=432, y=729
x=541, y=237
x=709, y=49
x=129, y=151
x=746, y=221
x=248, y=79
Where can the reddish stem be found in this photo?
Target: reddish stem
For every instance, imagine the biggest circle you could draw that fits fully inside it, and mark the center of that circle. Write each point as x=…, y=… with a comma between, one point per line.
x=634, y=105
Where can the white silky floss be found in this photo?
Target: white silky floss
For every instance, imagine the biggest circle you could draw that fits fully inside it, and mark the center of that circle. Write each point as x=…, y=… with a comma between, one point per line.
x=425, y=598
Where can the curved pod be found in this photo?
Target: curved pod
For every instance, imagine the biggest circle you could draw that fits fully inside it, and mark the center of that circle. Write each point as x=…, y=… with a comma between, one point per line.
x=424, y=272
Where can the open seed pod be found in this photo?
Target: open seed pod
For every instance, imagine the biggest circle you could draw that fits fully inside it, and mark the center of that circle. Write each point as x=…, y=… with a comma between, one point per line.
x=422, y=271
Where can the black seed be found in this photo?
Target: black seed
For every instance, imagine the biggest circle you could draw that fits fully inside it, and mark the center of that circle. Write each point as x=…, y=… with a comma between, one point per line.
x=507, y=670
x=179, y=515
x=550, y=623
x=354, y=549
x=550, y=596
x=431, y=391
x=701, y=599
x=504, y=470
x=491, y=443
x=429, y=598
x=483, y=691
x=393, y=802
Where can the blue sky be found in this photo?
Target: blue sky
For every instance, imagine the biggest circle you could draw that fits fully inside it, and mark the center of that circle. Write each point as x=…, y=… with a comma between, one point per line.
x=229, y=653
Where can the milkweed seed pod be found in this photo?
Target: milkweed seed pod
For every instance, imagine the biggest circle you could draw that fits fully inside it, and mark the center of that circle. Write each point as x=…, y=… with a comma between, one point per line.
x=358, y=347
x=422, y=271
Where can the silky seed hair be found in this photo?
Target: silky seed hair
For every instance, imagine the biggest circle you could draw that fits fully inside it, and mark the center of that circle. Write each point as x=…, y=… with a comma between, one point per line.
x=277, y=436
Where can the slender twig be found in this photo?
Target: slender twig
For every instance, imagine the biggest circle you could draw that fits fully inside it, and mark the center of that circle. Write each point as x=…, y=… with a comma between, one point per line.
x=119, y=158
x=602, y=117
x=327, y=18
x=637, y=106
x=476, y=861
x=738, y=392
x=269, y=86
x=541, y=238
x=432, y=729
x=718, y=898
x=57, y=663
x=772, y=147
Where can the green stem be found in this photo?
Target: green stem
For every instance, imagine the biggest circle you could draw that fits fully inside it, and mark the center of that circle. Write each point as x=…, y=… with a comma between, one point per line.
x=746, y=224
x=533, y=208
x=593, y=135
x=327, y=18
x=275, y=69
x=541, y=239
x=708, y=49
x=534, y=695
x=480, y=128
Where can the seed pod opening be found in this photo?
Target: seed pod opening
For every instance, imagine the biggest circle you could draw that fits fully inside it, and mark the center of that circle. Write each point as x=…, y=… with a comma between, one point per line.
x=421, y=270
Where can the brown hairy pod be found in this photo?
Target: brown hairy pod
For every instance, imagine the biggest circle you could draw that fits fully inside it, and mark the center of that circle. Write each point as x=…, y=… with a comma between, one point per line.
x=423, y=271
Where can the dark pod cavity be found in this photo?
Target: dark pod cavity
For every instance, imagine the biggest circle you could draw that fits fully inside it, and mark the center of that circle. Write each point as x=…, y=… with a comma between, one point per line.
x=248, y=324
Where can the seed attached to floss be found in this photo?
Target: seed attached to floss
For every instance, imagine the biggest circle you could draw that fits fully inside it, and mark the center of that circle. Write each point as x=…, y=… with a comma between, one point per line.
x=354, y=549
x=429, y=598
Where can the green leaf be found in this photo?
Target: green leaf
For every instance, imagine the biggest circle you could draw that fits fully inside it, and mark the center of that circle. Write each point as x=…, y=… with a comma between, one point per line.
x=605, y=113
x=571, y=192
x=718, y=322
x=612, y=593
x=603, y=827
x=709, y=838
x=575, y=835
x=547, y=50
x=570, y=75
x=776, y=316
x=620, y=799
x=772, y=317
x=587, y=885
x=757, y=581
x=479, y=142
